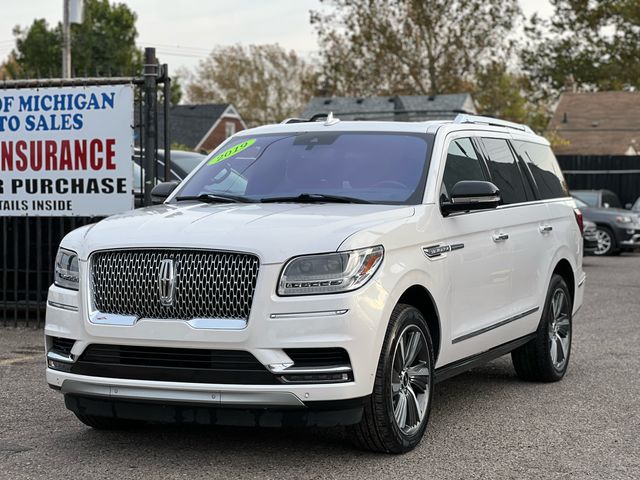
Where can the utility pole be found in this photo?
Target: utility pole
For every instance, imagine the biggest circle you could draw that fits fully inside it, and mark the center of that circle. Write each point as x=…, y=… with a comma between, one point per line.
x=71, y=13
x=66, y=41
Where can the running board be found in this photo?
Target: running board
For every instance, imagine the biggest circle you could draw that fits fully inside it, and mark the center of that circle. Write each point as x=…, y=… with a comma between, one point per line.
x=460, y=366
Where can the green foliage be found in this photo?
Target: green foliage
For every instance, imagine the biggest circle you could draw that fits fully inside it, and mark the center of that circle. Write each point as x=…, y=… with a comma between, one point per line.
x=265, y=82
x=181, y=146
x=383, y=47
x=502, y=94
x=597, y=44
x=102, y=45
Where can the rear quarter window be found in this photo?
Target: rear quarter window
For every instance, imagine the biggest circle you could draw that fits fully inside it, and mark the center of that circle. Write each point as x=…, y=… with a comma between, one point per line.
x=544, y=168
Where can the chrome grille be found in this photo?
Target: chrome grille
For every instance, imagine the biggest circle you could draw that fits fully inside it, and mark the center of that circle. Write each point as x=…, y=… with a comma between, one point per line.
x=208, y=284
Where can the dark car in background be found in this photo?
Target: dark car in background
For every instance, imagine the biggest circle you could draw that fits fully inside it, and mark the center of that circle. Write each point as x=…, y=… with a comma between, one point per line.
x=617, y=230
x=181, y=164
x=598, y=198
x=589, y=237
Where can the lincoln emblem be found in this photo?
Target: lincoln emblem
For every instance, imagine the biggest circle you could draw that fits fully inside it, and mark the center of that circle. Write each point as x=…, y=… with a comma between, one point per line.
x=167, y=282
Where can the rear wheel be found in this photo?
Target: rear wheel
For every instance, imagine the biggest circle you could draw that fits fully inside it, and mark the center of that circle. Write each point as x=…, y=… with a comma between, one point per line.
x=606, y=242
x=396, y=415
x=546, y=357
x=108, y=423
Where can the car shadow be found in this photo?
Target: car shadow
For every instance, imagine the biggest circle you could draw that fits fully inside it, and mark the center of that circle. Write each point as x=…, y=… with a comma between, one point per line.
x=459, y=394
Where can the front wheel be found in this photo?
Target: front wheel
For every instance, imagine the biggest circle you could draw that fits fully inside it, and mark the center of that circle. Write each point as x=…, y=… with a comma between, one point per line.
x=606, y=242
x=546, y=357
x=396, y=415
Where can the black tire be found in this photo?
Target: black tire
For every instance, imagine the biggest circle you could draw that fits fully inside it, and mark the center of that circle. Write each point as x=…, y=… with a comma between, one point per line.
x=379, y=431
x=535, y=361
x=108, y=423
x=604, y=233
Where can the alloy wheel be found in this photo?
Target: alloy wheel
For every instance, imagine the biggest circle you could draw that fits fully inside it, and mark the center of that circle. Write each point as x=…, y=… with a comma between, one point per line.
x=605, y=243
x=410, y=379
x=559, y=330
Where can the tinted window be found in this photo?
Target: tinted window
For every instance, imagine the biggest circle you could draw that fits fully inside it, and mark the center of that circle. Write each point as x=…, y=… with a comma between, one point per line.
x=374, y=166
x=590, y=198
x=505, y=173
x=544, y=168
x=462, y=164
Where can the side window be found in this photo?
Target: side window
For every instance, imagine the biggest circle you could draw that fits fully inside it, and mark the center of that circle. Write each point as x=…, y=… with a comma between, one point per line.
x=611, y=200
x=544, y=168
x=505, y=173
x=462, y=164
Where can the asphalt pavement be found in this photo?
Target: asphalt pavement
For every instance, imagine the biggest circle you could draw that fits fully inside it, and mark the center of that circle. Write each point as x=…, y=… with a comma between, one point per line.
x=485, y=423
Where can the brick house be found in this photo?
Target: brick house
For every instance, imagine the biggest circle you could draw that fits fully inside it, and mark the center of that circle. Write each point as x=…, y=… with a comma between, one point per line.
x=201, y=127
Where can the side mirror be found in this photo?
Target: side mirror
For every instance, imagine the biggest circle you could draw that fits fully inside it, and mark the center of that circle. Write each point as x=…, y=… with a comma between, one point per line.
x=162, y=191
x=628, y=206
x=469, y=195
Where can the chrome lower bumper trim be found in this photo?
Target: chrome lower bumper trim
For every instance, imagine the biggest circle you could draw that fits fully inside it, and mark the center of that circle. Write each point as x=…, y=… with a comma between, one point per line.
x=634, y=241
x=99, y=318
x=288, y=369
x=56, y=357
x=324, y=313
x=213, y=397
x=62, y=306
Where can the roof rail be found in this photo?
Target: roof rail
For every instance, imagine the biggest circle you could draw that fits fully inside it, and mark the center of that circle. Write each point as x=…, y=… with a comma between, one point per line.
x=494, y=122
x=330, y=119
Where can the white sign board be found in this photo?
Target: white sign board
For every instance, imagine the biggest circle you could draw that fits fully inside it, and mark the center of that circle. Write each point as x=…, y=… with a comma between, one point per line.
x=66, y=151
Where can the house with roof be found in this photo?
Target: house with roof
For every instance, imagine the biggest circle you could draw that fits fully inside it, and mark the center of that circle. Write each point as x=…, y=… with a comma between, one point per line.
x=597, y=124
x=408, y=108
x=200, y=127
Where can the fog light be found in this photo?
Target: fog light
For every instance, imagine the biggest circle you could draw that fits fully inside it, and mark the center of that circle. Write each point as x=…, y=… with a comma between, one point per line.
x=60, y=366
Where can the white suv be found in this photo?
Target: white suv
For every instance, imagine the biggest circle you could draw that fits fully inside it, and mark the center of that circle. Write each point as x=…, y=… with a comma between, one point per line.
x=322, y=273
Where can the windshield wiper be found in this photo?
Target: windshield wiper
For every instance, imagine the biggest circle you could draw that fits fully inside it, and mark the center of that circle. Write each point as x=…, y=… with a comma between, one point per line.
x=314, y=198
x=217, y=198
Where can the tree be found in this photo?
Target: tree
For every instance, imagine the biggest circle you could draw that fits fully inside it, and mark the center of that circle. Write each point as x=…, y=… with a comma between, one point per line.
x=265, y=82
x=102, y=45
x=501, y=93
x=386, y=47
x=595, y=43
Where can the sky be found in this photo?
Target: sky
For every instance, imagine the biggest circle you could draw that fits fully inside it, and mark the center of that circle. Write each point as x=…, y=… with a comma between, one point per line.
x=184, y=31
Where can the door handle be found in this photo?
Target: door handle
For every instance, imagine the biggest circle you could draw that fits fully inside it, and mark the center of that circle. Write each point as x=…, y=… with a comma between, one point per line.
x=500, y=237
x=545, y=228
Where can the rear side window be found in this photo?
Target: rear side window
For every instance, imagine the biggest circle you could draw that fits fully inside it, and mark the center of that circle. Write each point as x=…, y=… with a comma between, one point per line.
x=505, y=173
x=544, y=168
x=462, y=164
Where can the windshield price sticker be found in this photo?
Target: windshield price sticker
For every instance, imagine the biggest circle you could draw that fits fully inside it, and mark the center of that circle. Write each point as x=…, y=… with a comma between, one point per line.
x=231, y=151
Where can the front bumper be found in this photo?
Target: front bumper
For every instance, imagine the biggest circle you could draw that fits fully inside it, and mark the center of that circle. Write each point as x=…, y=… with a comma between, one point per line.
x=354, y=321
x=313, y=414
x=632, y=242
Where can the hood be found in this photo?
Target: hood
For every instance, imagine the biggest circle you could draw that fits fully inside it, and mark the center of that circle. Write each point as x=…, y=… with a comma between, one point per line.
x=273, y=231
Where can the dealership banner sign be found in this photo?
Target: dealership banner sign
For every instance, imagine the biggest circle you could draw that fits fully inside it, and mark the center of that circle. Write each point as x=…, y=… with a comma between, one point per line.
x=66, y=151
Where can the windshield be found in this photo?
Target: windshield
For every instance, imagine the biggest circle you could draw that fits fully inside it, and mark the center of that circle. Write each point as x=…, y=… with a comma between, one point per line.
x=579, y=203
x=590, y=198
x=376, y=167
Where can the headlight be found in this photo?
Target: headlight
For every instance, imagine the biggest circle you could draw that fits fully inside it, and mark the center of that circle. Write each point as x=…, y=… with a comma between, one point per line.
x=331, y=272
x=624, y=219
x=66, y=273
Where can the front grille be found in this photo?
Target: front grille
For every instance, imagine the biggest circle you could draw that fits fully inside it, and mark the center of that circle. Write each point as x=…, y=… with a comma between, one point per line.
x=172, y=365
x=317, y=357
x=61, y=345
x=208, y=284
